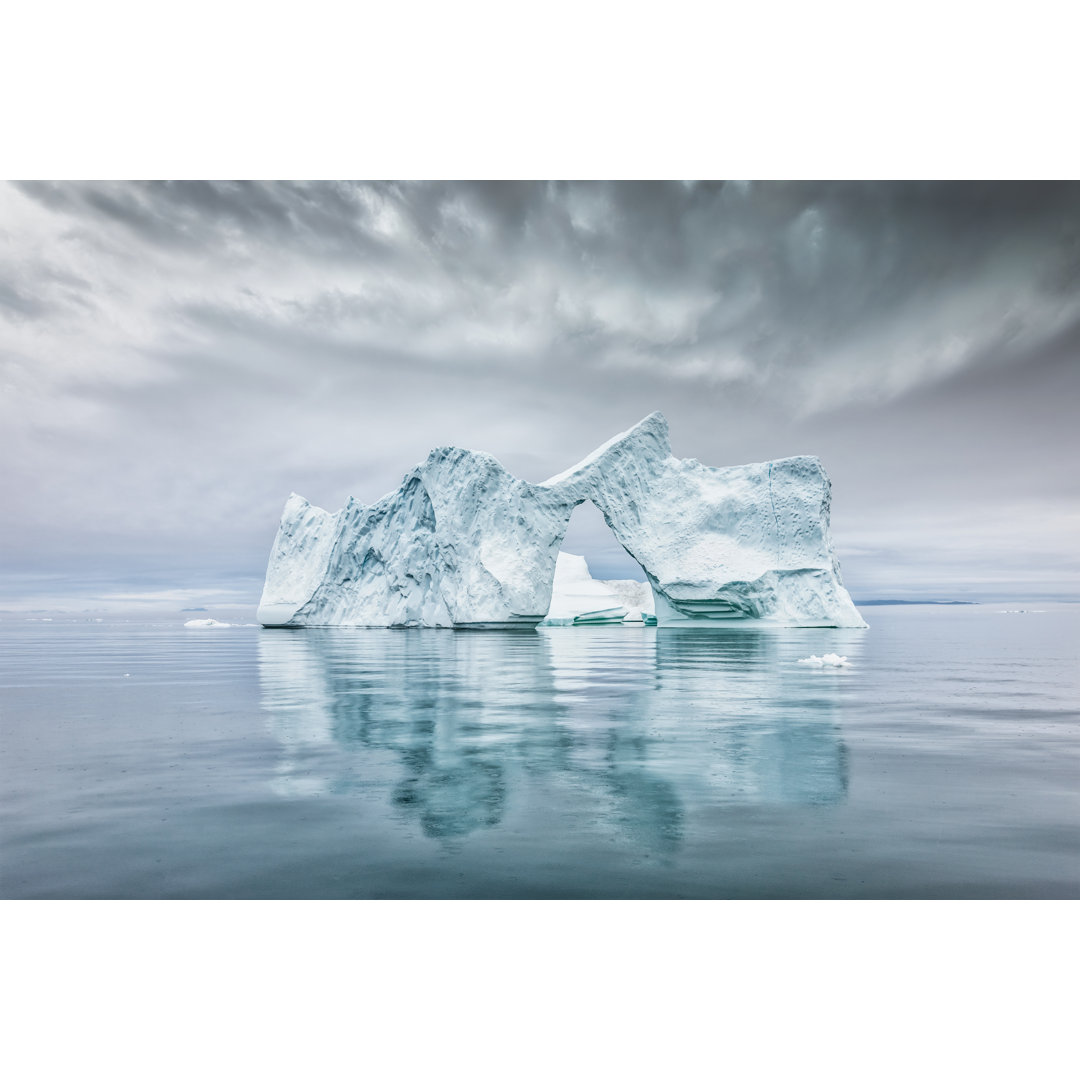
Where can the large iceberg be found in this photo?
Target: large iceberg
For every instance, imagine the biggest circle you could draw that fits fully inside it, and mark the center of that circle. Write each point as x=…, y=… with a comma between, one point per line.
x=463, y=543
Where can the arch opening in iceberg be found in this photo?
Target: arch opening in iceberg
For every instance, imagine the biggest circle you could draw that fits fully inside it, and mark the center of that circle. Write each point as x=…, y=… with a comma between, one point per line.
x=597, y=582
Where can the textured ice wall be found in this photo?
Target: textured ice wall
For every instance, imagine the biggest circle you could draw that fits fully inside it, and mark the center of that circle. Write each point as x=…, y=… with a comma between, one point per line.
x=464, y=543
x=297, y=560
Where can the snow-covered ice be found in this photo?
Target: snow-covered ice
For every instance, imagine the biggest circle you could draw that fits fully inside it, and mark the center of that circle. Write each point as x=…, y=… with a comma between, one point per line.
x=205, y=624
x=464, y=543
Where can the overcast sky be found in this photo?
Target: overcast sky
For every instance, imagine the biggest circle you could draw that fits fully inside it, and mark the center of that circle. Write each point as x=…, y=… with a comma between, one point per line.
x=176, y=358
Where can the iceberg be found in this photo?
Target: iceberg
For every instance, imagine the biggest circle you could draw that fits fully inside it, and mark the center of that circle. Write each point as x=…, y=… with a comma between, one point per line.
x=635, y=596
x=578, y=599
x=463, y=543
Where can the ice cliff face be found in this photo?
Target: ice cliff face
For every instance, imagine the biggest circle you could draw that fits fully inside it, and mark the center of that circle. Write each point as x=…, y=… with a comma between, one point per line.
x=464, y=543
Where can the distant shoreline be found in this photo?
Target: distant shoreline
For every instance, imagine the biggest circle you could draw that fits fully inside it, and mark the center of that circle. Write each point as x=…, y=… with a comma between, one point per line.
x=899, y=603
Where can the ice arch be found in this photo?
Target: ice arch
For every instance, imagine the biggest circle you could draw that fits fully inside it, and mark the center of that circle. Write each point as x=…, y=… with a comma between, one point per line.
x=610, y=588
x=464, y=543
x=589, y=535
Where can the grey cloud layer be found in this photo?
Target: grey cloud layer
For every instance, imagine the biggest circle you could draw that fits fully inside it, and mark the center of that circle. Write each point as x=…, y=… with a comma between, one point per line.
x=177, y=356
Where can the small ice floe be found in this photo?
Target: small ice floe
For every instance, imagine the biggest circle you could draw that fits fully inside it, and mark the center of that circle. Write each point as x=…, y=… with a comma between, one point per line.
x=203, y=624
x=127, y=674
x=830, y=659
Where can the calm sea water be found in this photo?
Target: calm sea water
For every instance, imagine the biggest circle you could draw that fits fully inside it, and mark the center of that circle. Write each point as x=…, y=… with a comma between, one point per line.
x=141, y=760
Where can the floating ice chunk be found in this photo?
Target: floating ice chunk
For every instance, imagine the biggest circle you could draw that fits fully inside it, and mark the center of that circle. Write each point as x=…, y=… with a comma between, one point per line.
x=203, y=624
x=578, y=598
x=830, y=659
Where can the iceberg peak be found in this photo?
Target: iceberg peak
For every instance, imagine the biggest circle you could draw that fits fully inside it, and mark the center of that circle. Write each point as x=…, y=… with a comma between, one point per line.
x=648, y=438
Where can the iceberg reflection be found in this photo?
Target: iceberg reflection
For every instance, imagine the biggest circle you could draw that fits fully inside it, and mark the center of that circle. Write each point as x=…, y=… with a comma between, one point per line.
x=773, y=734
x=618, y=730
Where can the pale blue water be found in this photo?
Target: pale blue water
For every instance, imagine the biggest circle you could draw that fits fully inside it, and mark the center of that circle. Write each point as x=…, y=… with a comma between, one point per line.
x=569, y=763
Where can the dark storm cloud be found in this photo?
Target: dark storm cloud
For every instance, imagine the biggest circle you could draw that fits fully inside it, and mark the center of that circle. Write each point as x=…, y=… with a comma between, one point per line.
x=178, y=356
x=184, y=213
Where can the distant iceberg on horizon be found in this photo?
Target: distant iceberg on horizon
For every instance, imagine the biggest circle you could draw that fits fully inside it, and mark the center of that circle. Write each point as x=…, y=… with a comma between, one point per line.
x=463, y=543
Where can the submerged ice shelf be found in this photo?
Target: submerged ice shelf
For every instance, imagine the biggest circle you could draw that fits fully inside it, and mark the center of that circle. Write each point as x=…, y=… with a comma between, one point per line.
x=463, y=543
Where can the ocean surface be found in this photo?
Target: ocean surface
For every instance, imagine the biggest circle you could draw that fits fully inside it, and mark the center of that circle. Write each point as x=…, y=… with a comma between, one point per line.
x=143, y=760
